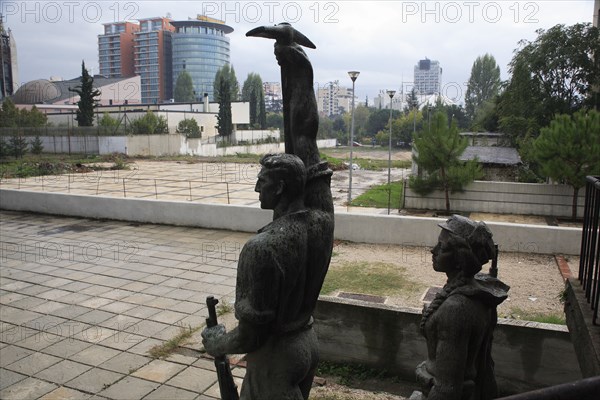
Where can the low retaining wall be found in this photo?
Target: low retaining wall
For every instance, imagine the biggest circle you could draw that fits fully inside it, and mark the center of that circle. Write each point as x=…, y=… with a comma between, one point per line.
x=503, y=198
x=363, y=228
x=527, y=355
x=157, y=145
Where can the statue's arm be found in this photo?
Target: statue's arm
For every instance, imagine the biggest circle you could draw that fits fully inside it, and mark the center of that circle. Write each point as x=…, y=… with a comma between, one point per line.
x=451, y=353
x=245, y=338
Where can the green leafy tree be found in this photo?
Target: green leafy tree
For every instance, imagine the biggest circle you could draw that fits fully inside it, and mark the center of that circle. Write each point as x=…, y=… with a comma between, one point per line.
x=149, y=124
x=569, y=149
x=4, y=149
x=36, y=146
x=184, y=88
x=252, y=92
x=557, y=73
x=189, y=127
x=227, y=74
x=107, y=121
x=9, y=115
x=483, y=85
x=33, y=118
x=17, y=145
x=275, y=120
x=12, y=117
x=438, y=151
x=379, y=119
x=404, y=126
x=88, y=98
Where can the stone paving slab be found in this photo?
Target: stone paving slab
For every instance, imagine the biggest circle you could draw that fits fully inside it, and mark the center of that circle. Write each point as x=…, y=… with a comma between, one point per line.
x=79, y=314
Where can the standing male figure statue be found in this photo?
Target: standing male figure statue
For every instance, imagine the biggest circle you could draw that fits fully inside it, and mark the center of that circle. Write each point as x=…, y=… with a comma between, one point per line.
x=275, y=292
x=281, y=270
x=459, y=322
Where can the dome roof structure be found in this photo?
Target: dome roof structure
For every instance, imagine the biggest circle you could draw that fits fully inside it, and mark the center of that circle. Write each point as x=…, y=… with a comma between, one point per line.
x=36, y=92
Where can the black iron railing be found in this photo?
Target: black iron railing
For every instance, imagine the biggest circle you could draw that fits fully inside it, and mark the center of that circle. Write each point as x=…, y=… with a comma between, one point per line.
x=589, y=269
x=585, y=389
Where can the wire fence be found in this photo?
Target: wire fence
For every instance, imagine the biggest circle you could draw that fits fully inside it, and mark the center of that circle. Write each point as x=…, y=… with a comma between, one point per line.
x=230, y=188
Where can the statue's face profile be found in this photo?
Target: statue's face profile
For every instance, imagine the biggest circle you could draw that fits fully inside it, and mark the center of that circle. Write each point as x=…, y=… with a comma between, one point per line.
x=269, y=188
x=443, y=253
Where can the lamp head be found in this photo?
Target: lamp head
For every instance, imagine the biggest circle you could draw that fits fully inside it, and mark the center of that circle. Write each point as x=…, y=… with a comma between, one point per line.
x=353, y=75
x=391, y=93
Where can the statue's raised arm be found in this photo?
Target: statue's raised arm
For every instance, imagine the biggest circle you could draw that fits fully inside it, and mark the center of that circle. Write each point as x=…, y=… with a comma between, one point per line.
x=300, y=114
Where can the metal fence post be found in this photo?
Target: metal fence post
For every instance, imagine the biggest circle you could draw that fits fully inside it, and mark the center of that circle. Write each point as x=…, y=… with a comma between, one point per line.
x=227, y=183
x=124, y=191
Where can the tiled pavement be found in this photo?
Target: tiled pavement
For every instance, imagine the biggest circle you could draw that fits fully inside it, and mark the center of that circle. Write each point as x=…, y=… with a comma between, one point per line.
x=82, y=302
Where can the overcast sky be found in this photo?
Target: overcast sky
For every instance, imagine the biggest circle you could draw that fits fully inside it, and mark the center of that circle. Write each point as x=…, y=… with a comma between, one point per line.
x=381, y=39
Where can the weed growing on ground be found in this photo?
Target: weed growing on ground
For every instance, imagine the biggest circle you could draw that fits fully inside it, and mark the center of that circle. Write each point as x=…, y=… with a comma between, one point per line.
x=164, y=350
x=547, y=318
x=375, y=278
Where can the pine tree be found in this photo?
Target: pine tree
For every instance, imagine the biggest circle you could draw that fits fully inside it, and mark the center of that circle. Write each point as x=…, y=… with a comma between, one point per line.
x=412, y=101
x=224, y=123
x=438, y=149
x=87, y=98
x=36, y=146
x=17, y=145
x=569, y=150
x=226, y=89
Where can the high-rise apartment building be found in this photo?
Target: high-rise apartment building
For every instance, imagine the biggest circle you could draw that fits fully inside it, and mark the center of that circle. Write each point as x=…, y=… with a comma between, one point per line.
x=333, y=99
x=153, y=59
x=428, y=77
x=115, y=49
x=9, y=78
x=201, y=48
x=273, y=96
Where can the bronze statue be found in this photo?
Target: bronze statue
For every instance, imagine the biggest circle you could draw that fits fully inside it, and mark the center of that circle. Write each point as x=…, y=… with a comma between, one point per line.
x=281, y=269
x=459, y=323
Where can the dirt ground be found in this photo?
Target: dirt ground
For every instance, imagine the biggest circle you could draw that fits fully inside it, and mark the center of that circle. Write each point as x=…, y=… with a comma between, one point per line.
x=536, y=284
x=375, y=153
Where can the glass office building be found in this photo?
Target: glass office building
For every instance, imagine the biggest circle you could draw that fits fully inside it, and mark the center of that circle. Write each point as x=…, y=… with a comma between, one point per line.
x=200, y=47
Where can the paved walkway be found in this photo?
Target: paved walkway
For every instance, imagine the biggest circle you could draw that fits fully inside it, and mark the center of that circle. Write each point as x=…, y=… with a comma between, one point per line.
x=82, y=302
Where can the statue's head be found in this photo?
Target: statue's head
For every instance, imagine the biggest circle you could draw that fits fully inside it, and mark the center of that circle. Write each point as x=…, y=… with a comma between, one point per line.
x=463, y=245
x=281, y=175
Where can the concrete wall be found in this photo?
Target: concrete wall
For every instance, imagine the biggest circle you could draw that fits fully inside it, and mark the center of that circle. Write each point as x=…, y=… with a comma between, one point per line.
x=502, y=197
x=157, y=145
x=364, y=228
x=528, y=355
x=252, y=135
x=71, y=144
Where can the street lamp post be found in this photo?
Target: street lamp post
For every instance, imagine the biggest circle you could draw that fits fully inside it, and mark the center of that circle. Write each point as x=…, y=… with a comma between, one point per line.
x=353, y=75
x=390, y=93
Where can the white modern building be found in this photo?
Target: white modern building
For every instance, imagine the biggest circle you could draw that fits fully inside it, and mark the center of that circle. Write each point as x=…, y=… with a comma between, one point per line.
x=428, y=77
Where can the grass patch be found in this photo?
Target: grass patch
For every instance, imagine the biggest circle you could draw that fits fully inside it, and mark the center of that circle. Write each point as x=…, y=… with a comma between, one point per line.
x=375, y=278
x=55, y=164
x=347, y=374
x=547, y=318
x=168, y=347
x=380, y=165
x=377, y=196
x=223, y=308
